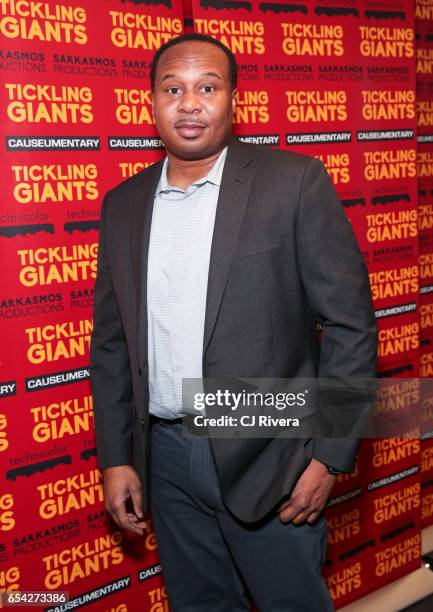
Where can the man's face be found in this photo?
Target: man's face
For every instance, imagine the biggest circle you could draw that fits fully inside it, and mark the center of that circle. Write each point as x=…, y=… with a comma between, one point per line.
x=193, y=101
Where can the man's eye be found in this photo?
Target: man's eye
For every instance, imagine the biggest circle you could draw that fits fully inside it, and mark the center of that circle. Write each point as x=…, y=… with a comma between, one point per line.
x=208, y=88
x=173, y=90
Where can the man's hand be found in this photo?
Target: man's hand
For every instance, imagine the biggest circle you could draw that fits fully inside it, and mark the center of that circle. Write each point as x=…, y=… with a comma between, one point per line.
x=120, y=483
x=309, y=495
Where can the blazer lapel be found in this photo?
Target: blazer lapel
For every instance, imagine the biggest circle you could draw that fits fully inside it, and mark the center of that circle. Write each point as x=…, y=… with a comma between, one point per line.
x=141, y=220
x=232, y=201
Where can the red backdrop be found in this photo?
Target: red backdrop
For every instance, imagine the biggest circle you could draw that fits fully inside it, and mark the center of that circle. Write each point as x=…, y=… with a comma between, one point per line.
x=331, y=81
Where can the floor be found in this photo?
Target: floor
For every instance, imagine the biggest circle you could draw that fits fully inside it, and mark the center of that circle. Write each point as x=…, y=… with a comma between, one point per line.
x=424, y=605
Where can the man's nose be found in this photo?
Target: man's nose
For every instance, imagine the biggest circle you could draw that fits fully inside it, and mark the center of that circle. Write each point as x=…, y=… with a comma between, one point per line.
x=189, y=102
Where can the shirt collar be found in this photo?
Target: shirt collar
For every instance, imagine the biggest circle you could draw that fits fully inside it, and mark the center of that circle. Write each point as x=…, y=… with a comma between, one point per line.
x=213, y=176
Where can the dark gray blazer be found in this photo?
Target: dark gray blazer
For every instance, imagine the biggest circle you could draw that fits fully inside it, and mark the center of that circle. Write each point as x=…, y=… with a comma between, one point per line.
x=283, y=257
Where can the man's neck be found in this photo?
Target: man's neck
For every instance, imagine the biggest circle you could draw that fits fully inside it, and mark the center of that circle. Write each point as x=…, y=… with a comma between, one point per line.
x=183, y=172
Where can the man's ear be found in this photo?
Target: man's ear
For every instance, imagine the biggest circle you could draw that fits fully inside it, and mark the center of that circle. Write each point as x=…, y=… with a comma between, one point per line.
x=234, y=94
x=152, y=99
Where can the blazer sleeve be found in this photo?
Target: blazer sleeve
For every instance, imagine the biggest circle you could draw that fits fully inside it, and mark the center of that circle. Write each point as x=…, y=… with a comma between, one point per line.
x=109, y=365
x=337, y=288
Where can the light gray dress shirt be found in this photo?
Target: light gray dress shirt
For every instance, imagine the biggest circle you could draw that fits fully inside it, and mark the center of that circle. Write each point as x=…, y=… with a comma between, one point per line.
x=177, y=275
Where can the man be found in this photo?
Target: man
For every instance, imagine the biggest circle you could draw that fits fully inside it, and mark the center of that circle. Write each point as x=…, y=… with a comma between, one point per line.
x=218, y=262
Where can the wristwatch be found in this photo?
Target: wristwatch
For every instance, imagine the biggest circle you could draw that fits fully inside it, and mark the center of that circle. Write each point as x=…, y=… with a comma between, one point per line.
x=332, y=470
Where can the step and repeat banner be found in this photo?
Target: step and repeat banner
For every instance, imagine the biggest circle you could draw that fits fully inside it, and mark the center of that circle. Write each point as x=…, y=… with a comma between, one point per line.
x=424, y=85
x=337, y=82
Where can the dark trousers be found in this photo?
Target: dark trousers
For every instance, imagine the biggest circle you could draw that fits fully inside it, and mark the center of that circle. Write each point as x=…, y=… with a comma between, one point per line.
x=209, y=558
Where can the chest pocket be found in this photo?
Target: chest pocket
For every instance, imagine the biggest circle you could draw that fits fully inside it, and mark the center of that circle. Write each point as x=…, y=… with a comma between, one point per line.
x=249, y=249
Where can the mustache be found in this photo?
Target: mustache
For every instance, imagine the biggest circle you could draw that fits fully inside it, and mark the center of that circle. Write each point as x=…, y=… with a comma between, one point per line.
x=189, y=122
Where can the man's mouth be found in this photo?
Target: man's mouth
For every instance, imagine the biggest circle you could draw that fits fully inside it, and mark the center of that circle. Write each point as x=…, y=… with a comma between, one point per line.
x=190, y=129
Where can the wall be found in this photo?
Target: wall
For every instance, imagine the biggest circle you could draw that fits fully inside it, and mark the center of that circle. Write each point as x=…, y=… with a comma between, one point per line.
x=331, y=80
